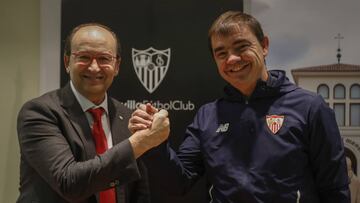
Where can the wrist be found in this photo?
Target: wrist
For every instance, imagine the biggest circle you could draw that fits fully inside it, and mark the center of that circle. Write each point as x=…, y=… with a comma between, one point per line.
x=138, y=143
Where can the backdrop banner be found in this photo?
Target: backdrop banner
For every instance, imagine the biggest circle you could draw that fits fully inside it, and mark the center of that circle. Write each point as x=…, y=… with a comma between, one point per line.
x=165, y=60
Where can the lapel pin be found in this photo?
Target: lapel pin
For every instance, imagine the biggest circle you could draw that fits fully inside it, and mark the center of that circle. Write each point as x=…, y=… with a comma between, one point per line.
x=121, y=118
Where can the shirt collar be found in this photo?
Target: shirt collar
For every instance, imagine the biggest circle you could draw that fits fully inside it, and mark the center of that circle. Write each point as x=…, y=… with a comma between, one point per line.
x=87, y=104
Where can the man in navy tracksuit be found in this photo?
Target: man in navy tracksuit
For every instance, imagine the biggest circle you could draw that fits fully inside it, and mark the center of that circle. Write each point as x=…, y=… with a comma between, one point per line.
x=266, y=140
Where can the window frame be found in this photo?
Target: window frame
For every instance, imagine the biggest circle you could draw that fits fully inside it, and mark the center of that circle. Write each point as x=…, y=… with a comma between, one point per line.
x=334, y=92
x=350, y=113
x=351, y=88
x=344, y=113
x=328, y=90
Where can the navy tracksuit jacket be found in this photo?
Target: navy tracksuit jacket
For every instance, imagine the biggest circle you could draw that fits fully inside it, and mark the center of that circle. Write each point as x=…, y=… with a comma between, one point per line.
x=281, y=145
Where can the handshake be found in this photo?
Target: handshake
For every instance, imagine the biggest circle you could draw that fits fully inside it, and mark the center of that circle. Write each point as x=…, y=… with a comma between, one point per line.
x=149, y=127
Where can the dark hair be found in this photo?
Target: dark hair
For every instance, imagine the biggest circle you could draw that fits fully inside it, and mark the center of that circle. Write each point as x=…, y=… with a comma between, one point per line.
x=67, y=47
x=229, y=20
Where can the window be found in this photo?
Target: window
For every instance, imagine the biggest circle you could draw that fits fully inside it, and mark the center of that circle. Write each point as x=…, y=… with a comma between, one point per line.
x=355, y=114
x=339, y=109
x=339, y=91
x=323, y=90
x=355, y=91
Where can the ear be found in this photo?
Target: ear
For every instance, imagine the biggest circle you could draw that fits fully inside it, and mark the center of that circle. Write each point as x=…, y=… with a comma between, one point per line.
x=265, y=45
x=117, y=65
x=66, y=63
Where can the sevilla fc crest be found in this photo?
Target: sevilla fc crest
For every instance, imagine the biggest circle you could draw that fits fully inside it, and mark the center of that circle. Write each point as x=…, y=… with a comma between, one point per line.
x=274, y=122
x=151, y=66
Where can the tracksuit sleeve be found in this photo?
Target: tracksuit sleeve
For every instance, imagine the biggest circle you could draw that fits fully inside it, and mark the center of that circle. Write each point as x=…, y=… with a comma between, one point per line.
x=178, y=171
x=327, y=154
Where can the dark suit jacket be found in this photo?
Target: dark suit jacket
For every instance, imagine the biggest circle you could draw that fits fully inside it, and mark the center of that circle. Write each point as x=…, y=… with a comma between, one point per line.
x=58, y=157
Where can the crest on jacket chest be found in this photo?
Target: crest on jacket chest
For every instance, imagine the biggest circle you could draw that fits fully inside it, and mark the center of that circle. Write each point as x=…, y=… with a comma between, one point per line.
x=274, y=122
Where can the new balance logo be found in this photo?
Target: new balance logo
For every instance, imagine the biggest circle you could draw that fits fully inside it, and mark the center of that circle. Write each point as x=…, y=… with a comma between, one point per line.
x=223, y=128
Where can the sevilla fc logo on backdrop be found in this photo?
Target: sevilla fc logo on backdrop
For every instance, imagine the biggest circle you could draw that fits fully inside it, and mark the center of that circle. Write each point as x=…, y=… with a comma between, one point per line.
x=274, y=122
x=151, y=66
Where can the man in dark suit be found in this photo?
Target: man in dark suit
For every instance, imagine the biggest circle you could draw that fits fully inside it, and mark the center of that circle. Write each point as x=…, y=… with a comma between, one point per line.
x=70, y=155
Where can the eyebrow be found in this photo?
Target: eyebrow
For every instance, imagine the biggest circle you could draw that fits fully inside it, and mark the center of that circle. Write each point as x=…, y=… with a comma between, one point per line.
x=238, y=41
x=94, y=52
x=218, y=49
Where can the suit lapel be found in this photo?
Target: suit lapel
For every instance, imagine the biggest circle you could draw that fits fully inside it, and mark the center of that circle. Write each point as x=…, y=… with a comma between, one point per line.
x=119, y=132
x=118, y=123
x=78, y=120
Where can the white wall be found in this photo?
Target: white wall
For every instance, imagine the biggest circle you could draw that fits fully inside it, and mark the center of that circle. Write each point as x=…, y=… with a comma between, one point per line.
x=50, y=38
x=29, y=66
x=19, y=81
x=312, y=82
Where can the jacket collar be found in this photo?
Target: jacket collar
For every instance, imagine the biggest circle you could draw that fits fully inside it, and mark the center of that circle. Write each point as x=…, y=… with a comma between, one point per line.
x=277, y=83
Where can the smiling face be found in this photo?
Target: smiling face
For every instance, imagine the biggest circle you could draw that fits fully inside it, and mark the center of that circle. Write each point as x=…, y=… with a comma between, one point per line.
x=240, y=57
x=93, y=78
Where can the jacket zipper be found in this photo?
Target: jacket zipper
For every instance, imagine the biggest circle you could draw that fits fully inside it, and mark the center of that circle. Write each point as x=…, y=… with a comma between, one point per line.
x=210, y=190
x=298, y=196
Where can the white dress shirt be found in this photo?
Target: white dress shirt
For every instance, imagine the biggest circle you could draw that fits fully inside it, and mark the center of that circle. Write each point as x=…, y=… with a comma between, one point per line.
x=87, y=104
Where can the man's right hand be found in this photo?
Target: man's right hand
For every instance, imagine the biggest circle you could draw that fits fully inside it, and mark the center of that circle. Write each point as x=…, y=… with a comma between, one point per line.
x=150, y=126
x=142, y=117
